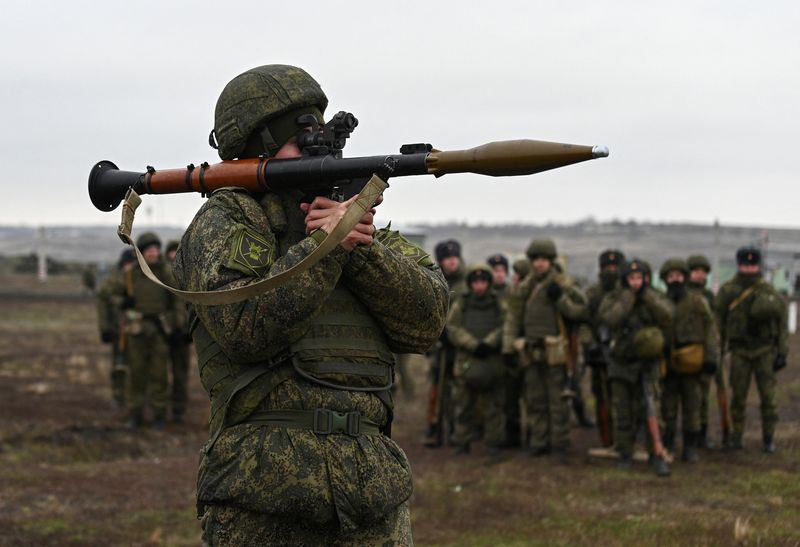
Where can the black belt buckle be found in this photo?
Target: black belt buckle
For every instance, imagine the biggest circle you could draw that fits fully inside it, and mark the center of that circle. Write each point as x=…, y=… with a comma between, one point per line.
x=323, y=421
x=327, y=422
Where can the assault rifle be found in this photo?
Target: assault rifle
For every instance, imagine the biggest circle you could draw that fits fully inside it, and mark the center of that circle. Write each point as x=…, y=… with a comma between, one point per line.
x=323, y=171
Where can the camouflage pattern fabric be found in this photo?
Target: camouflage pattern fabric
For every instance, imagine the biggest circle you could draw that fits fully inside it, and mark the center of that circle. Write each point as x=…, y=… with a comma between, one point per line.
x=547, y=411
x=754, y=329
x=109, y=312
x=235, y=527
x=308, y=483
x=705, y=379
x=629, y=413
x=473, y=320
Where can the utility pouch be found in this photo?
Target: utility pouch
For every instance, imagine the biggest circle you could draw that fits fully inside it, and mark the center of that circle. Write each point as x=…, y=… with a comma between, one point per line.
x=556, y=348
x=688, y=359
x=133, y=322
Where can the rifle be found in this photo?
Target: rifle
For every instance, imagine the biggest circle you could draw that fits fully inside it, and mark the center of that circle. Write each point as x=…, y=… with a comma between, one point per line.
x=323, y=171
x=570, y=390
x=722, y=403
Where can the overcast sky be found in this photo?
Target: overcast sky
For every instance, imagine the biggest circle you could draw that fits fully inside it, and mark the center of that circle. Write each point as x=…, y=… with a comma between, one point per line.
x=697, y=101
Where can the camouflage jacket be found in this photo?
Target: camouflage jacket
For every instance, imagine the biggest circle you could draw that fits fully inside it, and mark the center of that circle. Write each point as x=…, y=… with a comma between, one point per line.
x=693, y=323
x=626, y=313
x=473, y=320
x=318, y=479
x=752, y=316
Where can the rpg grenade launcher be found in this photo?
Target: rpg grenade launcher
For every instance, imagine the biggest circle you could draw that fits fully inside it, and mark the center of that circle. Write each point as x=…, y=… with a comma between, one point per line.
x=323, y=171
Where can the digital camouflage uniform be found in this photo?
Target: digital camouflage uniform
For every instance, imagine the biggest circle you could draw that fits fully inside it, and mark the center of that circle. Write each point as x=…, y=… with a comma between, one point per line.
x=593, y=356
x=692, y=324
x=534, y=314
x=753, y=326
x=150, y=316
x=287, y=367
x=109, y=315
x=179, y=358
x=474, y=327
x=700, y=261
x=440, y=395
x=626, y=313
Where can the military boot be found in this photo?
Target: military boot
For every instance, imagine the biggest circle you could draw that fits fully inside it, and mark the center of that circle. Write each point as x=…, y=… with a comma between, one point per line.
x=433, y=437
x=703, y=440
x=159, y=421
x=690, y=447
x=769, y=443
x=135, y=420
x=735, y=442
x=661, y=466
x=625, y=461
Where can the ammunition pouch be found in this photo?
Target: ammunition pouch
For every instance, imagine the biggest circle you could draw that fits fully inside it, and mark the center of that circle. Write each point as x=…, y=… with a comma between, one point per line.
x=688, y=359
x=556, y=350
x=483, y=374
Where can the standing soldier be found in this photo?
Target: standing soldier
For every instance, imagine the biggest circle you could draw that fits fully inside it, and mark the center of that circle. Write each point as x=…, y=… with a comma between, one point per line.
x=299, y=377
x=109, y=316
x=753, y=325
x=521, y=268
x=179, y=354
x=693, y=352
x=150, y=317
x=474, y=326
x=440, y=412
x=610, y=262
x=545, y=300
x=505, y=287
x=638, y=318
x=699, y=268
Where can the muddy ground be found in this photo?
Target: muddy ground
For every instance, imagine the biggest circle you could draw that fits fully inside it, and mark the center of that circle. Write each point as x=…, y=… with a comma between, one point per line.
x=72, y=474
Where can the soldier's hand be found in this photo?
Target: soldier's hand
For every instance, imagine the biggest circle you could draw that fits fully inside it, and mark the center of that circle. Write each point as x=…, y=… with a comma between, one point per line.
x=107, y=336
x=779, y=363
x=324, y=214
x=710, y=367
x=554, y=291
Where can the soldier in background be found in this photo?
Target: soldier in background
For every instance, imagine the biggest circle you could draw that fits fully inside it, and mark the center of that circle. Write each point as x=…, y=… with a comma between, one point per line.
x=752, y=318
x=692, y=352
x=500, y=279
x=521, y=268
x=109, y=318
x=610, y=261
x=699, y=268
x=440, y=413
x=474, y=327
x=151, y=315
x=179, y=342
x=535, y=327
x=638, y=318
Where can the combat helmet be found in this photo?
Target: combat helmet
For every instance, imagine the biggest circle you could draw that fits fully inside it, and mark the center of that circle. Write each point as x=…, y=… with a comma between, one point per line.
x=698, y=261
x=146, y=240
x=266, y=99
x=672, y=264
x=541, y=248
x=522, y=267
x=479, y=271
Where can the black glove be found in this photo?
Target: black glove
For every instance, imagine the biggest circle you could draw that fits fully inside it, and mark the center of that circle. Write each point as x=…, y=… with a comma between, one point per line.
x=128, y=303
x=107, y=336
x=779, y=363
x=483, y=350
x=710, y=367
x=554, y=291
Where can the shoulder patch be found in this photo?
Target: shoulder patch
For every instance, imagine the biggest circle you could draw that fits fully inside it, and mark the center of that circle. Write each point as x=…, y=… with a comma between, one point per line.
x=251, y=253
x=395, y=241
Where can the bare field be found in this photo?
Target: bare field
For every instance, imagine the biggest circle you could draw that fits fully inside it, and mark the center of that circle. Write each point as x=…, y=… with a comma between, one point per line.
x=71, y=474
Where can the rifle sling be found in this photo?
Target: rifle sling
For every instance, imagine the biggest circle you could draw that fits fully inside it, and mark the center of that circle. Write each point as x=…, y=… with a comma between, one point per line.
x=363, y=203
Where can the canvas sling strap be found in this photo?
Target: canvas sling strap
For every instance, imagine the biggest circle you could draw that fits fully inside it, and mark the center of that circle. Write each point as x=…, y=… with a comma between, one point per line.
x=363, y=203
x=742, y=297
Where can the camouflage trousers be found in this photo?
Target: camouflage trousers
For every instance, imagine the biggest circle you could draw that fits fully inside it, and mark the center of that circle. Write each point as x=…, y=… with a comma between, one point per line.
x=547, y=411
x=225, y=526
x=705, y=389
x=479, y=411
x=513, y=393
x=148, y=357
x=684, y=391
x=744, y=366
x=179, y=357
x=627, y=400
